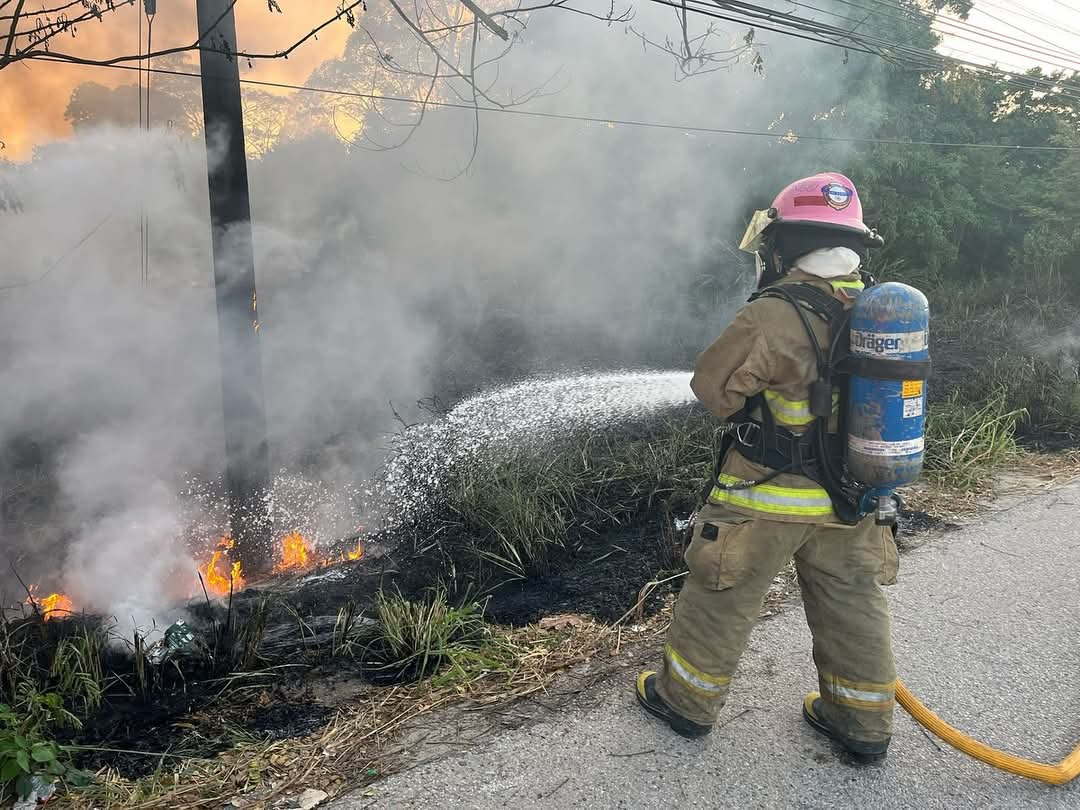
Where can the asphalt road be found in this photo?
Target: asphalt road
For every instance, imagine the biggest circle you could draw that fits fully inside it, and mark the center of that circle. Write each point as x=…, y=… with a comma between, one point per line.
x=987, y=633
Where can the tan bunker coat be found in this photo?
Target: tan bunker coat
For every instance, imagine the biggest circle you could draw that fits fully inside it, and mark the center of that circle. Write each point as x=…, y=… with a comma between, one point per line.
x=743, y=538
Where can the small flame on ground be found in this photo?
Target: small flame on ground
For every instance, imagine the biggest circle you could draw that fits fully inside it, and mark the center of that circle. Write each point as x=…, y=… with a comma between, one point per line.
x=218, y=582
x=53, y=603
x=296, y=553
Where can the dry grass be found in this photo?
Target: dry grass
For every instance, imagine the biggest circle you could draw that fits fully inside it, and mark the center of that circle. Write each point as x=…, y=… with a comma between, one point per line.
x=358, y=745
x=380, y=732
x=1024, y=473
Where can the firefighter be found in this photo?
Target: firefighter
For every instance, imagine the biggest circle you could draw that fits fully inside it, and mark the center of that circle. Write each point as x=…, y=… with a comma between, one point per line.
x=763, y=508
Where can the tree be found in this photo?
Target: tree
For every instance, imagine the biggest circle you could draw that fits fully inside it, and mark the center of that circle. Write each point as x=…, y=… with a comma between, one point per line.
x=956, y=213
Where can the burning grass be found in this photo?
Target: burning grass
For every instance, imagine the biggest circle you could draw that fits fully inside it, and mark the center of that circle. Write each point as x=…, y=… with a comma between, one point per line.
x=159, y=689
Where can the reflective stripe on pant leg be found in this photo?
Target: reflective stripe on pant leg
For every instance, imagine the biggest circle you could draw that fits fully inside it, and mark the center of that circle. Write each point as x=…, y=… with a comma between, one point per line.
x=839, y=570
x=710, y=627
x=709, y=686
x=857, y=694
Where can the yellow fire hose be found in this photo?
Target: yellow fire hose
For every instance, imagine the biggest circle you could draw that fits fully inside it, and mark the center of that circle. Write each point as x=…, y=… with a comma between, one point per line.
x=1065, y=771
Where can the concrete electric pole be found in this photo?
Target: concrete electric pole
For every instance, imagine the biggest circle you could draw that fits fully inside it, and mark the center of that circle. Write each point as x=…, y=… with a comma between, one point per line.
x=246, y=447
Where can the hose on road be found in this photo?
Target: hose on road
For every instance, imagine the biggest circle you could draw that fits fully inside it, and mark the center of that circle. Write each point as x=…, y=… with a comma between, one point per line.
x=1065, y=771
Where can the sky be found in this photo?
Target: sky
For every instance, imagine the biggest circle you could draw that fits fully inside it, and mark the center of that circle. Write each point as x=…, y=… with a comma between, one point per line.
x=34, y=96
x=1049, y=29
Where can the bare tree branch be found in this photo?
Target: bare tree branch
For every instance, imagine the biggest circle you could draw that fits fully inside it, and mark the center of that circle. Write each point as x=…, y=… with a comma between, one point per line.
x=697, y=55
x=11, y=34
x=427, y=50
x=44, y=31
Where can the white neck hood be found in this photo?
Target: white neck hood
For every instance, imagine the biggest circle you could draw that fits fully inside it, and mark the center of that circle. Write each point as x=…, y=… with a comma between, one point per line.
x=833, y=262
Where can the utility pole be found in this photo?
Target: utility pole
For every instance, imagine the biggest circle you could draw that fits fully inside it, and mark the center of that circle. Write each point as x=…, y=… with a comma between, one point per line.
x=247, y=470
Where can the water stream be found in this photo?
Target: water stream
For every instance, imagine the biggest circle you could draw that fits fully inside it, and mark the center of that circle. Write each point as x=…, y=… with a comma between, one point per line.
x=527, y=418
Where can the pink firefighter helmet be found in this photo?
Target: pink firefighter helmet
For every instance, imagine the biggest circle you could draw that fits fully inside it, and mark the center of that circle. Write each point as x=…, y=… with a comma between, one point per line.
x=828, y=200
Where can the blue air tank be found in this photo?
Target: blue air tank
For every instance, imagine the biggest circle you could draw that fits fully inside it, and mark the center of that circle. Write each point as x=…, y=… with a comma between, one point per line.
x=889, y=364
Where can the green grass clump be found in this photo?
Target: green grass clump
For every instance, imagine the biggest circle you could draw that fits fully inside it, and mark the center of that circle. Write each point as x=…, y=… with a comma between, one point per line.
x=512, y=513
x=416, y=639
x=966, y=444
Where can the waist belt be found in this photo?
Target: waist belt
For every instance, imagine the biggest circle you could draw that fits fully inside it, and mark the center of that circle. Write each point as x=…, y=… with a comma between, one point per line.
x=780, y=449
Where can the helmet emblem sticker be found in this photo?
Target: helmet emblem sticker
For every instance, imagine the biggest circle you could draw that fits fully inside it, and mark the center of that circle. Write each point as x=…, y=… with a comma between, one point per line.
x=837, y=196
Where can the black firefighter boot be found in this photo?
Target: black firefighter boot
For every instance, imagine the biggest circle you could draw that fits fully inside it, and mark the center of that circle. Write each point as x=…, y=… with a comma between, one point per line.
x=651, y=702
x=863, y=752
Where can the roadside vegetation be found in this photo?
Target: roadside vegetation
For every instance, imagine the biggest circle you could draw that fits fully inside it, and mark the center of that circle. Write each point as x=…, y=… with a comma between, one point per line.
x=504, y=522
x=1002, y=392
x=513, y=514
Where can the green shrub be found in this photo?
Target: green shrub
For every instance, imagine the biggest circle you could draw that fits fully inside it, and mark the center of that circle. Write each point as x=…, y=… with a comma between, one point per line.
x=27, y=752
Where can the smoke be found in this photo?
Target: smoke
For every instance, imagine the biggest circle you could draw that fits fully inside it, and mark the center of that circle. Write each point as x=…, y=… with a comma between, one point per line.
x=566, y=246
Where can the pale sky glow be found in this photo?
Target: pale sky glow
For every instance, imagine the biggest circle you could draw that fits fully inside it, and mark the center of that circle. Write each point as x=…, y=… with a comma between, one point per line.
x=1049, y=31
x=34, y=96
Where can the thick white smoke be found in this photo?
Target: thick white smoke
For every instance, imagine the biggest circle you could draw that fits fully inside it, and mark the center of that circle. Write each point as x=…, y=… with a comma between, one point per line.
x=566, y=245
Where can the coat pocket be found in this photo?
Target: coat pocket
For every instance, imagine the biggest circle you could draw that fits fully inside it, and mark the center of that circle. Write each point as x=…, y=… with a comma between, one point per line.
x=718, y=553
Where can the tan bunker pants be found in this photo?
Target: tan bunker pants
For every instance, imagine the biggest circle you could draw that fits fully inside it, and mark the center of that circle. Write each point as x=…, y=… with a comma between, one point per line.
x=733, y=561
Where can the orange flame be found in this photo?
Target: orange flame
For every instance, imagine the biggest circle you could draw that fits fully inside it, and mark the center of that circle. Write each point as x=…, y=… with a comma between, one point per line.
x=53, y=603
x=222, y=584
x=296, y=553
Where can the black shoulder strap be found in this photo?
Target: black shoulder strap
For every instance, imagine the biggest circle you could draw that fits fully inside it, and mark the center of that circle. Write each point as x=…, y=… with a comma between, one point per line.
x=815, y=299
x=846, y=500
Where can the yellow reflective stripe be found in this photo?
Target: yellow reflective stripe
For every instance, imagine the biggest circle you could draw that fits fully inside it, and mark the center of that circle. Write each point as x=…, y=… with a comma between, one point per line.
x=789, y=411
x=795, y=412
x=773, y=500
x=693, y=678
x=847, y=285
x=858, y=694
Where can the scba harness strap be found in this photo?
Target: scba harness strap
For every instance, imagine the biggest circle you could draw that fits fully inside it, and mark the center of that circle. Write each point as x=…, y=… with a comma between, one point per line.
x=816, y=453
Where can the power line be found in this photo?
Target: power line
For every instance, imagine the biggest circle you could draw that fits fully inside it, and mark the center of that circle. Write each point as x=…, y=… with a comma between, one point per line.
x=1029, y=14
x=1054, y=46
x=993, y=39
x=63, y=257
x=905, y=14
x=897, y=53
x=787, y=137
x=789, y=20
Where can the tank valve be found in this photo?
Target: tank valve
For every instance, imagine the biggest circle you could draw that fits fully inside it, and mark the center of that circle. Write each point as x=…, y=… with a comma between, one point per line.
x=886, y=510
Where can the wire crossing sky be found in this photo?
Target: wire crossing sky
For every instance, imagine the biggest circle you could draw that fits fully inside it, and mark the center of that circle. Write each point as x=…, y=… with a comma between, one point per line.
x=786, y=136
